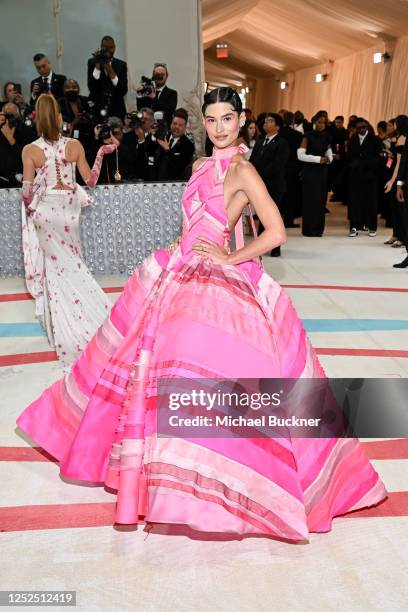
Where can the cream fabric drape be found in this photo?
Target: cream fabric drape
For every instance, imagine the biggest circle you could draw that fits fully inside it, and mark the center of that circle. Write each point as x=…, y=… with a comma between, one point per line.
x=292, y=40
x=355, y=85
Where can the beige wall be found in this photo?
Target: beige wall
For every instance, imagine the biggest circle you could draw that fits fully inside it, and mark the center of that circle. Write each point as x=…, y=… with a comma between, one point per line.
x=169, y=32
x=355, y=85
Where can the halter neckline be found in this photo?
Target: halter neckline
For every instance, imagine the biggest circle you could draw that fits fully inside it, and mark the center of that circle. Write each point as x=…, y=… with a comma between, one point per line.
x=227, y=152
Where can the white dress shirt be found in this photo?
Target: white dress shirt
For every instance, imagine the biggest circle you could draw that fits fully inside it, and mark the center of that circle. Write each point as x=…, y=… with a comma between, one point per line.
x=97, y=74
x=362, y=138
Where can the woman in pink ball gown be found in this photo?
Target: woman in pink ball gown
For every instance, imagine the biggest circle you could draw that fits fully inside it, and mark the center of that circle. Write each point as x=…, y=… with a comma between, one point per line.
x=197, y=310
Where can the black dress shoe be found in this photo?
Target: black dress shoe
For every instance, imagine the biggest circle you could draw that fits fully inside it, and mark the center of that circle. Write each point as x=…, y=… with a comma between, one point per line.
x=403, y=264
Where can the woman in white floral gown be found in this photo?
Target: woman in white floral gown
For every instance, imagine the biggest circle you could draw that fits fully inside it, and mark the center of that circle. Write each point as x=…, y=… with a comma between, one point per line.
x=69, y=303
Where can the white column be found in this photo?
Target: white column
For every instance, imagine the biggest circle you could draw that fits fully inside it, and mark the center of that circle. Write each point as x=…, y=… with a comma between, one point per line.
x=167, y=31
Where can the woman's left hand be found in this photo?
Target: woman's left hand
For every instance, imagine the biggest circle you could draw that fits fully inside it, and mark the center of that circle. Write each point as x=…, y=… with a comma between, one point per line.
x=210, y=249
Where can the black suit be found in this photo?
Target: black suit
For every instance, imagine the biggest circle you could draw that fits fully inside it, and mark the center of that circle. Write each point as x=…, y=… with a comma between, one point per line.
x=270, y=161
x=403, y=167
x=403, y=206
x=10, y=155
x=337, y=167
x=292, y=201
x=166, y=102
x=173, y=163
x=364, y=166
x=104, y=93
x=134, y=159
x=57, y=86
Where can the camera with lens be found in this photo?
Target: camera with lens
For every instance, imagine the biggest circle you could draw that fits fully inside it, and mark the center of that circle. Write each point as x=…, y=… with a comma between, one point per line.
x=160, y=126
x=43, y=88
x=102, y=56
x=146, y=87
x=11, y=120
x=136, y=119
x=105, y=132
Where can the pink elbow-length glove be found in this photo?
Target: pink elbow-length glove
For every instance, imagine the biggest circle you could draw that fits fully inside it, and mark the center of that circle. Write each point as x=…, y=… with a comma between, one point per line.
x=96, y=168
x=27, y=193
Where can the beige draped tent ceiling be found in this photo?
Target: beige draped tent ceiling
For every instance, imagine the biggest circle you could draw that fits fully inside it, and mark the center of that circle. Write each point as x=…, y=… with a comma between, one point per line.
x=291, y=40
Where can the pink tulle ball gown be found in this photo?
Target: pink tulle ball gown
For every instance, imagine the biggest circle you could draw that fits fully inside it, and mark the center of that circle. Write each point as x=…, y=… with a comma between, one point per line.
x=181, y=315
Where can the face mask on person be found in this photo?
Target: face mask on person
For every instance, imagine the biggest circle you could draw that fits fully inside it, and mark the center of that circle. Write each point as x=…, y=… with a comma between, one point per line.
x=71, y=95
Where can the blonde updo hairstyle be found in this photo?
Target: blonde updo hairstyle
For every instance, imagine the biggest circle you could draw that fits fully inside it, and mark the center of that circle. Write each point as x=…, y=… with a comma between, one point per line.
x=48, y=118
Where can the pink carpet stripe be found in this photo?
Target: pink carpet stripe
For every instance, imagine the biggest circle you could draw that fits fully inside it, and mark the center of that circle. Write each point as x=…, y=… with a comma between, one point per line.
x=44, y=356
x=25, y=453
x=360, y=352
x=15, y=297
x=387, y=449
x=396, y=504
x=23, y=297
x=19, y=297
x=25, y=358
x=348, y=288
x=71, y=516
x=384, y=449
x=56, y=516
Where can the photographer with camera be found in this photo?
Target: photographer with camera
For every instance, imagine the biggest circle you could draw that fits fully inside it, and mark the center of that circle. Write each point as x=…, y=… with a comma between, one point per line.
x=12, y=93
x=76, y=116
x=14, y=135
x=133, y=146
x=112, y=168
x=48, y=81
x=107, y=79
x=177, y=150
x=154, y=93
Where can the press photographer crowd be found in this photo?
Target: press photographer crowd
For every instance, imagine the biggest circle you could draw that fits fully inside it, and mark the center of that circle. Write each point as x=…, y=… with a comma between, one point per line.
x=152, y=136
x=300, y=161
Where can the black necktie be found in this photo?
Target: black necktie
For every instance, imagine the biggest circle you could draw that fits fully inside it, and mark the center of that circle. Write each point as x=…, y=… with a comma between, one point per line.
x=171, y=141
x=266, y=141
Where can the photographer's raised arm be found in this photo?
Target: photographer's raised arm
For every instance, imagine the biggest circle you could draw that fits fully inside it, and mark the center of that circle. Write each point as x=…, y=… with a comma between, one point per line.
x=120, y=78
x=94, y=82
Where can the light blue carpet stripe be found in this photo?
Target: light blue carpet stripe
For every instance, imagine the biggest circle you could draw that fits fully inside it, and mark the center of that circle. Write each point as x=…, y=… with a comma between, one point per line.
x=354, y=325
x=32, y=330
x=20, y=330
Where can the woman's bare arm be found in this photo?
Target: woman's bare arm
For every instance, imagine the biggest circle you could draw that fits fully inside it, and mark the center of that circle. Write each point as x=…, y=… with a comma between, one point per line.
x=78, y=154
x=28, y=176
x=249, y=182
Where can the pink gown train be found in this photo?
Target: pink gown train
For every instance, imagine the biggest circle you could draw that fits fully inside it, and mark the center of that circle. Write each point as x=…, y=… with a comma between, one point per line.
x=181, y=315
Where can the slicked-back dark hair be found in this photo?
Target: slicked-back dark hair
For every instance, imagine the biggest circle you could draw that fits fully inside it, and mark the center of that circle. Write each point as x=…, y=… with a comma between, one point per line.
x=38, y=57
x=223, y=94
x=181, y=113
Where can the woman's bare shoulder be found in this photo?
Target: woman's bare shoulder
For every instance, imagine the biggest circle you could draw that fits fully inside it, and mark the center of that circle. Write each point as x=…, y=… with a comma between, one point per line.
x=242, y=166
x=32, y=151
x=73, y=149
x=198, y=163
